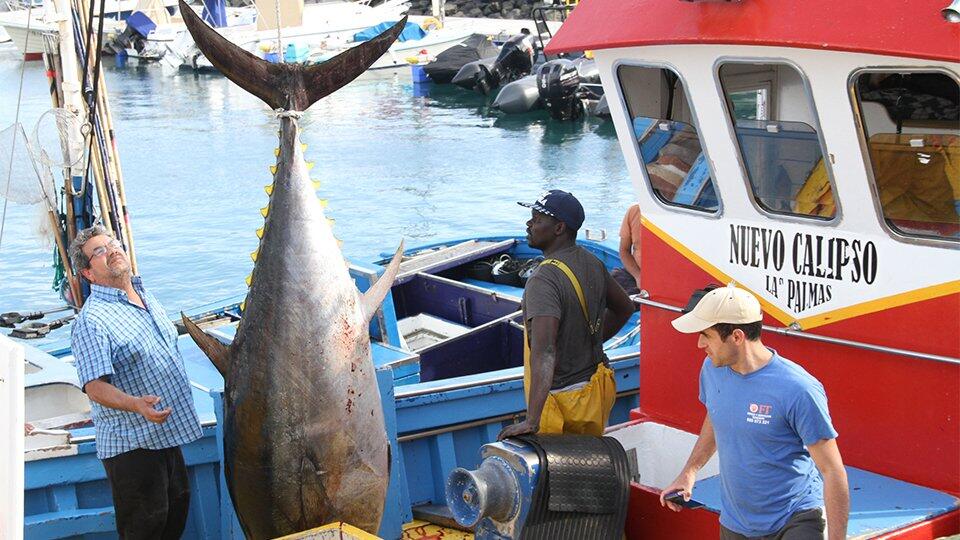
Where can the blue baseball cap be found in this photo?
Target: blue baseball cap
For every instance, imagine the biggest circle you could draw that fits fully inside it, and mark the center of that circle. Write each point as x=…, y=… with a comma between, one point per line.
x=560, y=205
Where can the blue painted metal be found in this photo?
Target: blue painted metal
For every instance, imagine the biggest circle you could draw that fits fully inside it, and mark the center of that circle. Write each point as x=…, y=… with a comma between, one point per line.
x=461, y=305
x=496, y=347
x=68, y=496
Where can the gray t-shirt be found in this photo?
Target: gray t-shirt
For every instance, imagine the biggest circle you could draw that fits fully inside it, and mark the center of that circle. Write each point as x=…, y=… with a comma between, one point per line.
x=549, y=293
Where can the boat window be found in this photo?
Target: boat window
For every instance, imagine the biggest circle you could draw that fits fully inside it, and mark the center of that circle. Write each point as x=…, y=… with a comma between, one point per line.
x=660, y=114
x=911, y=130
x=771, y=112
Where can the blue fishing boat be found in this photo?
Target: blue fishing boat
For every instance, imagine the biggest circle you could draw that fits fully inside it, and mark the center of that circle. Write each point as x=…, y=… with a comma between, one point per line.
x=447, y=345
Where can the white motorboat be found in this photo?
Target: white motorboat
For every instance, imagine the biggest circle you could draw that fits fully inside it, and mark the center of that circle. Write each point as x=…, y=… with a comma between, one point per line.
x=26, y=26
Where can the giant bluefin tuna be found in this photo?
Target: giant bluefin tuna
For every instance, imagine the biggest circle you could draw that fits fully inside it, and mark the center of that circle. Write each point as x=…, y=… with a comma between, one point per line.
x=304, y=436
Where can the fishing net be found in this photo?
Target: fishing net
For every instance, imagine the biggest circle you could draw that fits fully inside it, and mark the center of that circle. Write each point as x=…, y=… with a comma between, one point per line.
x=21, y=180
x=26, y=166
x=58, y=138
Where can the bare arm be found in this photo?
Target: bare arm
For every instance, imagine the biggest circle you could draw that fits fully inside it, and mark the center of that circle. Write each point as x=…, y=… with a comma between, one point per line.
x=626, y=257
x=702, y=451
x=619, y=309
x=543, y=360
x=109, y=395
x=836, y=490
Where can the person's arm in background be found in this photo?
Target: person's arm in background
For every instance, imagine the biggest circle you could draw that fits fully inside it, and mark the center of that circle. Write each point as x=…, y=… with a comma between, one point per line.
x=626, y=249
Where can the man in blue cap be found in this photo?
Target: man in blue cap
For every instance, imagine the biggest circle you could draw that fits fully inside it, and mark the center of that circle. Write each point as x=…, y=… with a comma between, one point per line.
x=571, y=306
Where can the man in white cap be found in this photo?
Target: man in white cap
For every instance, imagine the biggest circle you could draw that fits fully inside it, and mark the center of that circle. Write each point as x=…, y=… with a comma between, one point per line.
x=767, y=419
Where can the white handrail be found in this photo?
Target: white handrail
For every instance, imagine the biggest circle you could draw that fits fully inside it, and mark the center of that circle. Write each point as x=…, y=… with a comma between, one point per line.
x=11, y=429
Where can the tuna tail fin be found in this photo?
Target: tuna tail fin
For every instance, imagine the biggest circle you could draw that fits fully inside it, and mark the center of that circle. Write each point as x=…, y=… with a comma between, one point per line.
x=217, y=352
x=374, y=296
x=292, y=87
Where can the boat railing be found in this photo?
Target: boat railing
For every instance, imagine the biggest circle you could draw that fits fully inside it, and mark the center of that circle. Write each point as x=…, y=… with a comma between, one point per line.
x=507, y=375
x=795, y=331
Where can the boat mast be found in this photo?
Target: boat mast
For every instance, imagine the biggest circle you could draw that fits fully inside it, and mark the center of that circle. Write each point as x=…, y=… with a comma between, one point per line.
x=77, y=85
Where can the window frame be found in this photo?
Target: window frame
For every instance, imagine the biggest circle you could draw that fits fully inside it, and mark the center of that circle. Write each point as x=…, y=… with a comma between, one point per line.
x=860, y=126
x=637, y=156
x=731, y=130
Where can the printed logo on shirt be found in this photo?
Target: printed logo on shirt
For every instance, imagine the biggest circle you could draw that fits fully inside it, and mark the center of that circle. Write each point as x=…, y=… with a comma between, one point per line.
x=759, y=414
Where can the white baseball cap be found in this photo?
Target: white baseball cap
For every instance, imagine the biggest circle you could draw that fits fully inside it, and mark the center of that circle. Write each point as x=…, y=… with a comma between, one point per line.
x=729, y=304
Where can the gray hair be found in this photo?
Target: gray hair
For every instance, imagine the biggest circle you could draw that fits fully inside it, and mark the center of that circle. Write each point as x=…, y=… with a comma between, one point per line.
x=78, y=259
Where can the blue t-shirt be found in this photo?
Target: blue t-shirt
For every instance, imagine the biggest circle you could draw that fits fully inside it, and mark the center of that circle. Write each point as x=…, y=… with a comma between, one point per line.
x=762, y=422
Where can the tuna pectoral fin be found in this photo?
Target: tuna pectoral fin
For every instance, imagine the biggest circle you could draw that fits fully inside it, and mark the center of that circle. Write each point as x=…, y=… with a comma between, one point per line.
x=292, y=87
x=217, y=352
x=375, y=294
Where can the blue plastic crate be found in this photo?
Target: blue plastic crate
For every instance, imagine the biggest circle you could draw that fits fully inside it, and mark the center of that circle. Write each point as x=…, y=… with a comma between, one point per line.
x=419, y=74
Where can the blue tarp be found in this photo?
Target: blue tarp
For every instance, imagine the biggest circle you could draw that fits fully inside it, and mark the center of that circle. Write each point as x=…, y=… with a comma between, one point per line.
x=411, y=32
x=141, y=23
x=215, y=12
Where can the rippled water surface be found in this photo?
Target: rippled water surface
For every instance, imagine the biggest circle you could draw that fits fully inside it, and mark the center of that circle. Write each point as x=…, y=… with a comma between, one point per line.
x=195, y=152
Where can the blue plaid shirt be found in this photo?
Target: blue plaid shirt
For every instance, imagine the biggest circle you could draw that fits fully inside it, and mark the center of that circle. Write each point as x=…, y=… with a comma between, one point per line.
x=136, y=349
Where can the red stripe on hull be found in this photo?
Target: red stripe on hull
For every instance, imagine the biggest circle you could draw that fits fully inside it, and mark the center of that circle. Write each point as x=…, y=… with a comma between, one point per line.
x=937, y=527
x=896, y=416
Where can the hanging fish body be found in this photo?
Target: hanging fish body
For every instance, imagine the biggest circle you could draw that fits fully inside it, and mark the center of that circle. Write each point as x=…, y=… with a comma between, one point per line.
x=304, y=436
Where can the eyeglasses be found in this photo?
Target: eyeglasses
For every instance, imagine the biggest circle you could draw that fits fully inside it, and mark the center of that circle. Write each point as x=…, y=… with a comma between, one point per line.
x=112, y=245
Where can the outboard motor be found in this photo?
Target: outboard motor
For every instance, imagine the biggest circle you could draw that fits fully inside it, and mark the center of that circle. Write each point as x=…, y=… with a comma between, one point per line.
x=543, y=487
x=558, y=82
x=134, y=36
x=514, y=61
x=473, y=74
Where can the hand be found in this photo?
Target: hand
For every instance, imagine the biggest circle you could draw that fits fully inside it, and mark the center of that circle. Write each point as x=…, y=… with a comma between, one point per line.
x=518, y=429
x=145, y=407
x=684, y=484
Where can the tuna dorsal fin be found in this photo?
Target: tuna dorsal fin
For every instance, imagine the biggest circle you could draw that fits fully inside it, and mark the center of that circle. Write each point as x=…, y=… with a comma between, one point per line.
x=292, y=87
x=374, y=296
x=217, y=352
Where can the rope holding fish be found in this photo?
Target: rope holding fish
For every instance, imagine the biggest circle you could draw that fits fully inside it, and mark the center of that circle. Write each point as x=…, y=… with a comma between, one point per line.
x=296, y=115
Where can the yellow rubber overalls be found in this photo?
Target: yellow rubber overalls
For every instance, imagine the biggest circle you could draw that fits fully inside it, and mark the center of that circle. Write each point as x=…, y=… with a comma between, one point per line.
x=587, y=409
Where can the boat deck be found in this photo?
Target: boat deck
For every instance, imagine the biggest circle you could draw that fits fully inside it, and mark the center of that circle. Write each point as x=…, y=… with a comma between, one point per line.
x=878, y=504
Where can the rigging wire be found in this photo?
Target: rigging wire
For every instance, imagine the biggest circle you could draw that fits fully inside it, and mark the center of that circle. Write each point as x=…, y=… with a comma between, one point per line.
x=16, y=121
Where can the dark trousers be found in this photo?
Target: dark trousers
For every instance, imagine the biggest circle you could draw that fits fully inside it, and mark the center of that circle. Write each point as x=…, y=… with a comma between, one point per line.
x=804, y=525
x=151, y=493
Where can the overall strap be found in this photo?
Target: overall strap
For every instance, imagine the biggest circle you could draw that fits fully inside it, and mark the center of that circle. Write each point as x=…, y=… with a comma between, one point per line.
x=593, y=328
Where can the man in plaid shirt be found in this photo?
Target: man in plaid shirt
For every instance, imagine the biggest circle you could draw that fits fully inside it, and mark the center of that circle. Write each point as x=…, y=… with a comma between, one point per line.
x=130, y=367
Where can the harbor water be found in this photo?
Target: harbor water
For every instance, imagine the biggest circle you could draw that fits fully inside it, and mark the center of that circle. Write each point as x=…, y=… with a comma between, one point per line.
x=394, y=160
